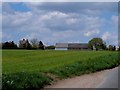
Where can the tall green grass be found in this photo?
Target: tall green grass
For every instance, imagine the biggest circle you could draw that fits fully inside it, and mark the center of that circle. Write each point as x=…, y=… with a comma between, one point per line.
x=88, y=66
x=24, y=80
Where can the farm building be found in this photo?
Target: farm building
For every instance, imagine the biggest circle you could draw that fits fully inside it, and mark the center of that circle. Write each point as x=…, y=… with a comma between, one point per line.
x=61, y=46
x=71, y=46
x=117, y=48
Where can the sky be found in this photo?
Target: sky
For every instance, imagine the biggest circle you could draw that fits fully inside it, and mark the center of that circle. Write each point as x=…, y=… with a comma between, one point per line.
x=60, y=22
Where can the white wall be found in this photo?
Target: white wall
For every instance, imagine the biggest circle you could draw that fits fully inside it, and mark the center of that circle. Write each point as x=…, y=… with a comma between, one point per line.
x=61, y=49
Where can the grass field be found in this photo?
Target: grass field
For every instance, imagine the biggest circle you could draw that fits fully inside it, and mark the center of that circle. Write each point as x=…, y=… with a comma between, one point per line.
x=25, y=60
x=60, y=63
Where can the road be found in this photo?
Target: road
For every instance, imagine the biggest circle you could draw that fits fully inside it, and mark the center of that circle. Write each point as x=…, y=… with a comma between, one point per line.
x=102, y=79
x=110, y=80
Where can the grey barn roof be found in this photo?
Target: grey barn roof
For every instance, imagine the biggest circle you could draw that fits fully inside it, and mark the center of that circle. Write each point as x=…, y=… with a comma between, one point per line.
x=78, y=45
x=71, y=45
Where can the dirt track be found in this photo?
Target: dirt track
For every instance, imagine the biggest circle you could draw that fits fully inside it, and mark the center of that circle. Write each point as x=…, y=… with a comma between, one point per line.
x=95, y=80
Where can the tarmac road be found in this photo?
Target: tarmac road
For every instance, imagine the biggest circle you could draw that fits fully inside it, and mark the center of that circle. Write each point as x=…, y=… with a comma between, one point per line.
x=102, y=79
x=110, y=80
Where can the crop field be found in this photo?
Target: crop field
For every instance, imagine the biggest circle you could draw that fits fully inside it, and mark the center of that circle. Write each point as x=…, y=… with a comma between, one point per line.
x=26, y=60
x=60, y=63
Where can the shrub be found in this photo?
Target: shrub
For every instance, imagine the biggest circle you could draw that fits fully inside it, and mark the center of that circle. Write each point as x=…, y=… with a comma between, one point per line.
x=50, y=47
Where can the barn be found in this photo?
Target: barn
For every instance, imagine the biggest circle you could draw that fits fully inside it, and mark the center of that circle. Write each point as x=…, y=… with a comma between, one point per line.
x=72, y=46
x=61, y=46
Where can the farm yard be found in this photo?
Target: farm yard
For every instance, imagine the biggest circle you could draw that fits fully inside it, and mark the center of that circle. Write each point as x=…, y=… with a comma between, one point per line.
x=36, y=68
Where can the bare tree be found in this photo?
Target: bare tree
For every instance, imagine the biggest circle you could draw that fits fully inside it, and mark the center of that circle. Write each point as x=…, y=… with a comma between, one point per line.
x=1, y=45
x=34, y=43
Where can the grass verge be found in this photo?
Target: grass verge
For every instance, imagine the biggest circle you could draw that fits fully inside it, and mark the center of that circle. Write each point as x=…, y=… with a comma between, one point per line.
x=24, y=80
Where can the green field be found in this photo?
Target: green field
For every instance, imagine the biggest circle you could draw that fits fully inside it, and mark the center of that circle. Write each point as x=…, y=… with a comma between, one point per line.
x=60, y=63
x=32, y=60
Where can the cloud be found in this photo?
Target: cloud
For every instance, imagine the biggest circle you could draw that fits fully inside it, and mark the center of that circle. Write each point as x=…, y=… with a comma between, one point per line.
x=34, y=4
x=16, y=20
x=110, y=38
x=60, y=1
x=0, y=22
x=114, y=20
x=83, y=7
x=6, y=36
x=71, y=21
x=54, y=14
x=106, y=36
x=91, y=33
x=0, y=34
x=56, y=22
x=30, y=36
x=6, y=8
x=0, y=7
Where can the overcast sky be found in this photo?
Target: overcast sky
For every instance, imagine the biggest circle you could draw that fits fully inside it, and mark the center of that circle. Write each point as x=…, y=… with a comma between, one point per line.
x=54, y=22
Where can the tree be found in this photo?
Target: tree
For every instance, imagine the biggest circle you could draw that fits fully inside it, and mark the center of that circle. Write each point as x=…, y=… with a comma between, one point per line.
x=104, y=47
x=110, y=47
x=98, y=43
x=118, y=48
x=51, y=47
x=28, y=45
x=9, y=45
x=114, y=48
x=41, y=46
x=34, y=43
x=1, y=45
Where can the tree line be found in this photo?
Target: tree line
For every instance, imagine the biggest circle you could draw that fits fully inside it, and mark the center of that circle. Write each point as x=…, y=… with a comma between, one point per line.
x=94, y=44
x=99, y=44
x=24, y=44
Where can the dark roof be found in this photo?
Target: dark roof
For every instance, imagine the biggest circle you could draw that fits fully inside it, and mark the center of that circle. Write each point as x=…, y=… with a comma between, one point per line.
x=78, y=45
x=71, y=45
